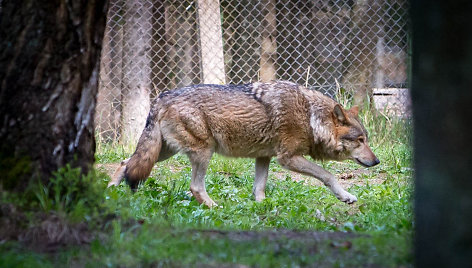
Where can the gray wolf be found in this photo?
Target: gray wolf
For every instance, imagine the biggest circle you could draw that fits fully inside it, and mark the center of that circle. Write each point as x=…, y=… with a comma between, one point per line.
x=258, y=120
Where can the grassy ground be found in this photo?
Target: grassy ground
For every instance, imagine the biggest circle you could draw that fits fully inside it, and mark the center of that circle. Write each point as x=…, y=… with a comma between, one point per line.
x=300, y=223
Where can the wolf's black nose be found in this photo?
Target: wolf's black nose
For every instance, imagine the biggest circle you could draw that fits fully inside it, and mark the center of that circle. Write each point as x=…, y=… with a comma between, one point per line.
x=376, y=162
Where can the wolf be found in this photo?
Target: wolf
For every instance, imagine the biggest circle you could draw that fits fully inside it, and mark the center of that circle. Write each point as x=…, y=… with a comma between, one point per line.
x=259, y=120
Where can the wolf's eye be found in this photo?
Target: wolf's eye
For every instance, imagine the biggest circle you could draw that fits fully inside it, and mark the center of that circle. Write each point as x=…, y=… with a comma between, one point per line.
x=361, y=139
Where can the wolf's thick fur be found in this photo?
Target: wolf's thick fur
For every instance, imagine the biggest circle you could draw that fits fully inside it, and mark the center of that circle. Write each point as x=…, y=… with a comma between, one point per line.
x=258, y=120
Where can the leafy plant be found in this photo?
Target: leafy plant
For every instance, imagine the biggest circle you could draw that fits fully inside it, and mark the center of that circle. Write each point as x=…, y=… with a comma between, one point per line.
x=71, y=192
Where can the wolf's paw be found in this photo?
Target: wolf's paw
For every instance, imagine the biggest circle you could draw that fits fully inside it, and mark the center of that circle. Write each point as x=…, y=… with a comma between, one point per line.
x=211, y=204
x=347, y=198
x=113, y=183
x=202, y=197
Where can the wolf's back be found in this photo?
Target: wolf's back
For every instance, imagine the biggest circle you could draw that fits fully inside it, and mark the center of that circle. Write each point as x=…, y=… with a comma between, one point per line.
x=233, y=120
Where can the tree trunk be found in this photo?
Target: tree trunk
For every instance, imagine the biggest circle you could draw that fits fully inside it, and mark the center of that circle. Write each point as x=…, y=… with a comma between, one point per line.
x=136, y=69
x=365, y=31
x=183, y=55
x=268, y=45
x=296, y=51
x=108, y=110
x=50, y=53
x=159, y=44
x=441, y=96
x=211, y=41
x=245, y=43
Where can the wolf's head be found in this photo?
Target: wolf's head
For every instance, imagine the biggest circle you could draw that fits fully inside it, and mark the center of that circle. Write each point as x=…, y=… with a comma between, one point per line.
x=351, y=137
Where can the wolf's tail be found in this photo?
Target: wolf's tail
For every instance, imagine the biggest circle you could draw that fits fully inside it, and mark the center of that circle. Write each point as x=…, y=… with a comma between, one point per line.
x=138, y=167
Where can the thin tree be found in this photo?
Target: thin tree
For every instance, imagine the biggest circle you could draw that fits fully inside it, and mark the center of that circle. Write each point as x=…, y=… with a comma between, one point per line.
x=136, y=68
x=268, y=44
x=365, y=30
x=109, y=99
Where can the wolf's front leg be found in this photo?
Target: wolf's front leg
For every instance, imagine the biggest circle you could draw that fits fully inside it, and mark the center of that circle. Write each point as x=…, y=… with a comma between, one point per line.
x=301, y=165
x=260, y=180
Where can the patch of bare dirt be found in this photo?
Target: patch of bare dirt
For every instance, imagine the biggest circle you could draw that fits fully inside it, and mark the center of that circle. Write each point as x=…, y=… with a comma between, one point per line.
x=12, y=222
x=47, y=233
x=346, y=179
x=108, y=168
x=53, y=232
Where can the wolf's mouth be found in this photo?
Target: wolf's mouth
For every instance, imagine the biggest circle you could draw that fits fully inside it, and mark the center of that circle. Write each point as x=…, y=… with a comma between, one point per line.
x=360, y=163
x=365, y=164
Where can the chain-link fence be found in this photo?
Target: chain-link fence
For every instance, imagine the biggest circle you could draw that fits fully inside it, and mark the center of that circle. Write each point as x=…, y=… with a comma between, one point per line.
x=151, y=46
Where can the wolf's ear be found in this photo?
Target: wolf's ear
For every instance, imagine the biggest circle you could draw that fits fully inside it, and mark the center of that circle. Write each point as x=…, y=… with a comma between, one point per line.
x=339, y=114
x=354, y=111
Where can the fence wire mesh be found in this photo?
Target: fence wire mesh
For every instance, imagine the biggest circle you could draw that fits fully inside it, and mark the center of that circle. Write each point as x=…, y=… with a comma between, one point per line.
x=359, y=47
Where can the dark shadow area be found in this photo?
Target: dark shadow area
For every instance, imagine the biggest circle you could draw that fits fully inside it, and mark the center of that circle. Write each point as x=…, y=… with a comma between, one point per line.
x=441, y=93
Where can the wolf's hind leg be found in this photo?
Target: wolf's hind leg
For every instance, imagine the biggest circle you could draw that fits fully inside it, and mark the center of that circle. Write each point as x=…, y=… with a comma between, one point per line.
x=166, y=152
x=301, y=165
x=200, y=161
x=260, y=180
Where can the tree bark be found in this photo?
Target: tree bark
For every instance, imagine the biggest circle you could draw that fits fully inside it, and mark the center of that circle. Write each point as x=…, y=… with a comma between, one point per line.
x=108, y=110
x=268, y=70
x=182, y=40
x=50, y=53
x=159, y=43
x=211, y=42
x=245, y=42
x=367, y=23
x=441, y=95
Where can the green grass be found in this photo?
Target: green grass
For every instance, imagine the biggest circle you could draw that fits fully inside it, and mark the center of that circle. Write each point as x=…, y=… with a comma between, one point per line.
x=161, y=225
